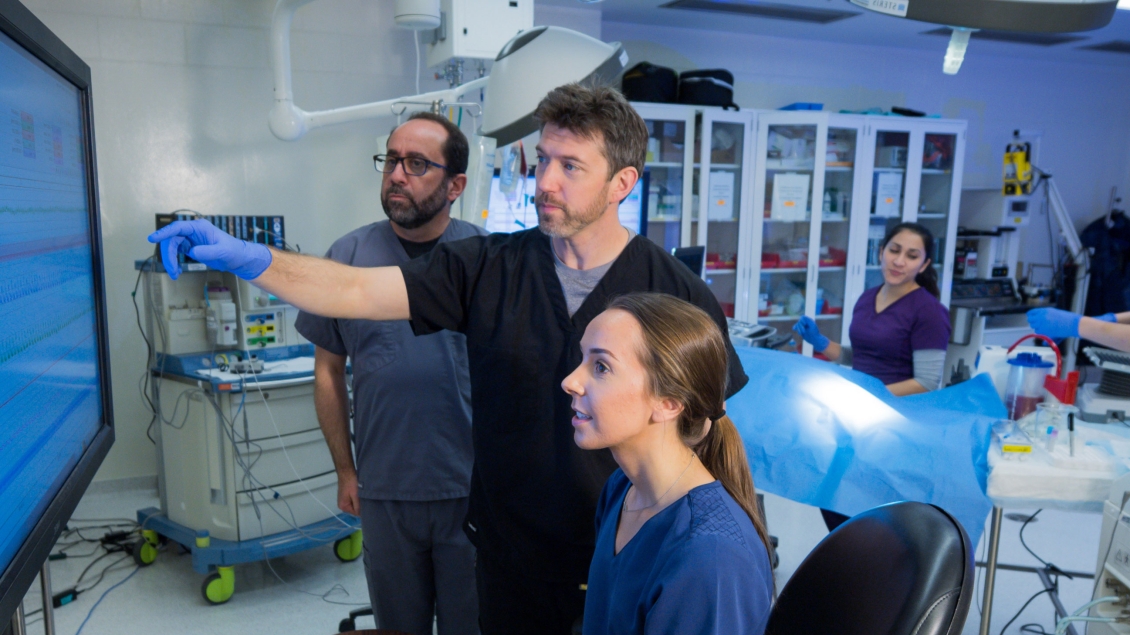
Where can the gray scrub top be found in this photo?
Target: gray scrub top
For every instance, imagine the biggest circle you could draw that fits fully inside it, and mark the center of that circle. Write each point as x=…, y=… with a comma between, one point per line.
x=411, y=395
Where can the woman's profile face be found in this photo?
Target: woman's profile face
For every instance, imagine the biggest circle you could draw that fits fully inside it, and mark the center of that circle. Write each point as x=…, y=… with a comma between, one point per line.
x=904, y=257
x=612, y=401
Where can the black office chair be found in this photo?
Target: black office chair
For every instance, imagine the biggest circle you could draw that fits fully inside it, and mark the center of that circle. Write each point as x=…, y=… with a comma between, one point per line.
x=899, y=569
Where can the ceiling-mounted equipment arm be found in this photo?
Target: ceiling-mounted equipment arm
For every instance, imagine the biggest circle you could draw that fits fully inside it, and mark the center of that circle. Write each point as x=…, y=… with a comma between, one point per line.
x=289, y=122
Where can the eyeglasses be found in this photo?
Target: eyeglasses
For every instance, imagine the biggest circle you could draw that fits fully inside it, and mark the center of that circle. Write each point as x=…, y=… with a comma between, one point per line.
x=413, y=166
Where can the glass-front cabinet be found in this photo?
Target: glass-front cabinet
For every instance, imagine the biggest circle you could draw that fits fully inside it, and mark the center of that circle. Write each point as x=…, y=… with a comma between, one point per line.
x=791, y=206
x=723, y=153
x=916, y=178
x=805, y=186
x=698, y=187
x=668, y=167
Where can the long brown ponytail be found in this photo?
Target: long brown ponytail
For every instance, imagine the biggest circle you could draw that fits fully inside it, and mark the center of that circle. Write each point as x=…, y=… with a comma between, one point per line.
x=686, y=361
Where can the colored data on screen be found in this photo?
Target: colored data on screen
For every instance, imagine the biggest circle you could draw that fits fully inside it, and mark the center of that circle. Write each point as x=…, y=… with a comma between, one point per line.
x=50, y=400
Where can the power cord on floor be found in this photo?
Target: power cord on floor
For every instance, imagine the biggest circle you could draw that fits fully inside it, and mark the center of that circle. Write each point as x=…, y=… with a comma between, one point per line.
x=1047, y=565
x=1034, y=596
x=103, y=597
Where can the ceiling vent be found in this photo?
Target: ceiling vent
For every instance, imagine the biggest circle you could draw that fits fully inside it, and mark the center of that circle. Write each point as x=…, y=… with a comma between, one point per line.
x=1015, y=37
x=1116, y=46
x=771, y=10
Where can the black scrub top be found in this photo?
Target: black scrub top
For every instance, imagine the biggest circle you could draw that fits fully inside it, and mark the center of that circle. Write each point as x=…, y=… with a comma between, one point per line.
x=533, y=491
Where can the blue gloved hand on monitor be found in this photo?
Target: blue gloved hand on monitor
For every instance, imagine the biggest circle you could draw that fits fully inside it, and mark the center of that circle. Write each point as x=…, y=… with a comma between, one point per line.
x=1054, y=323
x=1108, y=317
x=204, y=242
x=808, y=330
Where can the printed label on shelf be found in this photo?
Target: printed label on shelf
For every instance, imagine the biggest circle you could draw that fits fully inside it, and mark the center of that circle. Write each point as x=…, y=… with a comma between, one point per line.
x=790, y=196
x=888, y=194
x=721, y=196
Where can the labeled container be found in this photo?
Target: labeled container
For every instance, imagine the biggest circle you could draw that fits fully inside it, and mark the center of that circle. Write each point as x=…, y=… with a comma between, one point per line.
x=1024, y=389
x=1014, y=444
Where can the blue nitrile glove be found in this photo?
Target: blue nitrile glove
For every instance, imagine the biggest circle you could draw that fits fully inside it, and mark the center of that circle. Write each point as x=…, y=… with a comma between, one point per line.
x=204, y=242
x=1054, y=323
x=808, y=330
x=1108, y=317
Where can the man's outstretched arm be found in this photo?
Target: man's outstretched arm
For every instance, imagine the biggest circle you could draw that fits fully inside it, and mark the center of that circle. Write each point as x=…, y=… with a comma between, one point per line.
x=315, y=285
x=331, y=289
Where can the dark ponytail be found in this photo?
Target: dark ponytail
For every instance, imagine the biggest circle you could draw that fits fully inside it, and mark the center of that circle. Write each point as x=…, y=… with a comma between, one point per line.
x=928, y=279
x=685, y=357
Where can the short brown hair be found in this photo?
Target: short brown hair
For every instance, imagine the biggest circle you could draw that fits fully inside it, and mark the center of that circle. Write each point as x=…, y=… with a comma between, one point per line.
x=598, y=113
x=455, y=148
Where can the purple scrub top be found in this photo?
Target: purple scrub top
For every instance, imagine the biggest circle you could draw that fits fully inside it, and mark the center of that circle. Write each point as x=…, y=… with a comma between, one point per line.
x=883, y=344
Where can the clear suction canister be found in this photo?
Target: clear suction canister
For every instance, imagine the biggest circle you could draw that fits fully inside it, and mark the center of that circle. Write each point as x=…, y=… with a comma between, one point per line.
x=1025, y=387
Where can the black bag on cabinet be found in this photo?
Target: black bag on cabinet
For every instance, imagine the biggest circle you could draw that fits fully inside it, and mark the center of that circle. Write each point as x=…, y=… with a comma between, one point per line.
x=713, y=87
x=648, y=82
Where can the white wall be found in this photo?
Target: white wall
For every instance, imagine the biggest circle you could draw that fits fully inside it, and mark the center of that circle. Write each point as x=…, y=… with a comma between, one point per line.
x=181, y=92
x=1083, y=111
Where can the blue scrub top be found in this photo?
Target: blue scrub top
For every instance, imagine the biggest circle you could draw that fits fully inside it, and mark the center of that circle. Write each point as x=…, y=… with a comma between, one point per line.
x=696, y=567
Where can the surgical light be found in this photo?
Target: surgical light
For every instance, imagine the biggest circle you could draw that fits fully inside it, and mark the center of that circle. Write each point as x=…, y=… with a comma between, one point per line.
x=1029, y=16
x=534, y=63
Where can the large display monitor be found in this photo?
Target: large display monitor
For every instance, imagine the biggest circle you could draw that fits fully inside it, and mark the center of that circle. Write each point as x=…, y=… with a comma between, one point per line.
x=55, y=412
x=512, y=211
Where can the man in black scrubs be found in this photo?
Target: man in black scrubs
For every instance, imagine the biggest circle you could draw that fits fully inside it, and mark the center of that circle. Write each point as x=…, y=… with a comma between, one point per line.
x=523, y=301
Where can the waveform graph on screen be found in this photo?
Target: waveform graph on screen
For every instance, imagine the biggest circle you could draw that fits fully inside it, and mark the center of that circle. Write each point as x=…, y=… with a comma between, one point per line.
x=50, y=400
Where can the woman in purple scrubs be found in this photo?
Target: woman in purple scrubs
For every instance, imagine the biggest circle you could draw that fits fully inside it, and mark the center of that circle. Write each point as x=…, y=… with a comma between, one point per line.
x=899, y=330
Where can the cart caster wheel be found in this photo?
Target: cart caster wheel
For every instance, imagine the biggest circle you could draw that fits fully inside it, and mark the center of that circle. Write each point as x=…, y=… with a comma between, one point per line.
x=144, y=553
x=346, y=625
x=219, y=586
x=348, y=549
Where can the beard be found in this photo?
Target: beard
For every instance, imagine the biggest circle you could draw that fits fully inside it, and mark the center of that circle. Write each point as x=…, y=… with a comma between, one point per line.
x=414, y=213
x=571, y=221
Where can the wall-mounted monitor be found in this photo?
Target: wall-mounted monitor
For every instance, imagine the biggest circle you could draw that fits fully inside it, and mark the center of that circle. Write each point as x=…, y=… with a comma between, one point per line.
x=512, y=208
x=56, y=422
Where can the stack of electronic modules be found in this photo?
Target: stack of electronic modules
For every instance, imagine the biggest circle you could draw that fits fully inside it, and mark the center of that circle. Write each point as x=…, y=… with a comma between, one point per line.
x=265, y=230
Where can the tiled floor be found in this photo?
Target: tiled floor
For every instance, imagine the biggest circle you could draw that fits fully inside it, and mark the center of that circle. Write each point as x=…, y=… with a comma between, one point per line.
x=165, y=597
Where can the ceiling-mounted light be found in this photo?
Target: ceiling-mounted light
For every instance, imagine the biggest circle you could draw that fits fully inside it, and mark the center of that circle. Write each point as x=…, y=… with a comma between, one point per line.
x=535, y=62
x=1032, y=16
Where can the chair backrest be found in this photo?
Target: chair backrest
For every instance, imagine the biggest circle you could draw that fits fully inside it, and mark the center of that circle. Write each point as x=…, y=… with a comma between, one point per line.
x=899, y=569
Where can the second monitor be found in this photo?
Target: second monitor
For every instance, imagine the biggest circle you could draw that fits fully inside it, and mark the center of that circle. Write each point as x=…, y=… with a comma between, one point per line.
x=514, y=210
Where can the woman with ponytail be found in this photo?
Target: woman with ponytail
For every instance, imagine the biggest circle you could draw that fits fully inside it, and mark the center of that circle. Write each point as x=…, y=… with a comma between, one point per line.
x=899, y=330
x=681, y=546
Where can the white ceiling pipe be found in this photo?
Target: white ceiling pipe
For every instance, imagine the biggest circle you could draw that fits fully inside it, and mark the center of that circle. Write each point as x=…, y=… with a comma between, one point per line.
x=289, y=122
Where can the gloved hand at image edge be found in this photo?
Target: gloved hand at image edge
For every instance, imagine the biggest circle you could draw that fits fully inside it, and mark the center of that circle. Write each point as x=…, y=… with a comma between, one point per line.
x=807, y=329
x=1054, y=323
x=204, y=242
x=1107, y=317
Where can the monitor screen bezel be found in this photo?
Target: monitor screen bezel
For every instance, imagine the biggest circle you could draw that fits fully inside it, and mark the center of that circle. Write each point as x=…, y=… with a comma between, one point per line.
x=19, y=24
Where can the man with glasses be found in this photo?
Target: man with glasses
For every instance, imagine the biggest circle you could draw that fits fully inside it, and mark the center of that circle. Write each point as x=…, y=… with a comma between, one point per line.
x=411, y=397
x=523, y=300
